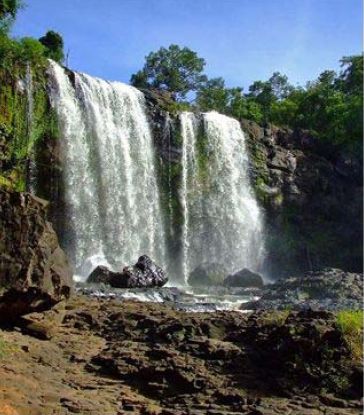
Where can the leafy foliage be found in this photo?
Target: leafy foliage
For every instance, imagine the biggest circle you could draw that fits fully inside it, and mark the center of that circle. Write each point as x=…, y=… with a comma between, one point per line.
x=177, y=70
x=15, y=53
x=8, y=11
x=213, y=95
x=330, y=107
x=350, y=324
x=30, y=50
x=53, y=44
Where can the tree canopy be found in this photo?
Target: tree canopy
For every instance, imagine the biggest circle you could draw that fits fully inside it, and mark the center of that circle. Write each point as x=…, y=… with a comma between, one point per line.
x=53, y=43
x=8, y=11
x=174, y=69
x=17, y=53
x=331, y=107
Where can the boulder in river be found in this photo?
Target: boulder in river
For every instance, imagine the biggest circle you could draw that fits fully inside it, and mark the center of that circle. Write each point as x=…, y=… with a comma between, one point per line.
x=206, y=275
x=144, y=274
x=244, y=278
x=100, y=275
x=34, y=271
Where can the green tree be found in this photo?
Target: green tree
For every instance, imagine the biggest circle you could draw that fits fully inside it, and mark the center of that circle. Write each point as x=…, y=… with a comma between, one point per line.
x=53, y=43
x=280, y=86
x=174, y=69
x=351, y=77
x=8, y=11
x=262, y=93
x=212, y=95
x=30, y=50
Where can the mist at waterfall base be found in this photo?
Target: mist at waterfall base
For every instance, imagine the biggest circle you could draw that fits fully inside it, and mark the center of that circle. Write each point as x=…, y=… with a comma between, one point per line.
x=112, y=193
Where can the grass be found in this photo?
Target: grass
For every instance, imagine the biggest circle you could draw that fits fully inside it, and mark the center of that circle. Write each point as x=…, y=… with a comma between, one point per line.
x=350, y=323
x=4, y=348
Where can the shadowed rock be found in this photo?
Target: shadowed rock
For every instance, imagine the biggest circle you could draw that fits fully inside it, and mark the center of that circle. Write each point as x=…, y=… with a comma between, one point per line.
x=34, y=271
x=244, y=278
x=207, y=274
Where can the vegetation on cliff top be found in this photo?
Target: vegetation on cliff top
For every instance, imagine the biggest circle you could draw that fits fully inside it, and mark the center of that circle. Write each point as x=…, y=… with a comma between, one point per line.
x=330, y=107
x=25, y=114
x=177, y=70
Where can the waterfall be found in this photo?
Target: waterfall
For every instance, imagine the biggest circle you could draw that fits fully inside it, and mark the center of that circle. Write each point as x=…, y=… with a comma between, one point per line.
x=222, y=220
x=31, y=167
x=110, y=180
x=188, y=187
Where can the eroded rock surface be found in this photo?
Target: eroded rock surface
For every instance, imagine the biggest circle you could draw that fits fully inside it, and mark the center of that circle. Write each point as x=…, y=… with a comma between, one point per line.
x=34, y=271
x=328, y=289
x=113, y=358
x=312, y=194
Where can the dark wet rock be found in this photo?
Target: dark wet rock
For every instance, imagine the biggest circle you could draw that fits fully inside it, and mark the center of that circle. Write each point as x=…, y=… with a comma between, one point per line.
x=244, y=278
x=328, y=289
x=100, y=275
x=34, y=271
x=298, y=179
x=207, y=274
x=145, y=273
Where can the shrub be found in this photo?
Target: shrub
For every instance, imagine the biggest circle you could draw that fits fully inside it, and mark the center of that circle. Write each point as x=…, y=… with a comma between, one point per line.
x=350, y=323
x=53, y=44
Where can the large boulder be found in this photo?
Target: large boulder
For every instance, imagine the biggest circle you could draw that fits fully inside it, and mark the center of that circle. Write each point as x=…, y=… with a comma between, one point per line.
x=206, y=275
x=34, y=271
x=100, y=275
x=144, y=274
x=244, y=278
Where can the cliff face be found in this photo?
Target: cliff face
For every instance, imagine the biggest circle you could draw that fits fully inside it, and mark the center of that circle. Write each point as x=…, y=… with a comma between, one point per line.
x=311, y=195
x=34, y=271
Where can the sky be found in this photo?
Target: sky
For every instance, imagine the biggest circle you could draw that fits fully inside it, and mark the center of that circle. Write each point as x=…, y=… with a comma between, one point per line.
x=241, y=40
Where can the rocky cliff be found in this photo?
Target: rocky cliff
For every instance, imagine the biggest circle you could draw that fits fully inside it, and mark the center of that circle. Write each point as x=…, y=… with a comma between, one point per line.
x=34, y=271
x=312, y=195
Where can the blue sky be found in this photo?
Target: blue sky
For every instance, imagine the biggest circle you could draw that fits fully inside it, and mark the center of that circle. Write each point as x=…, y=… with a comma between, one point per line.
x=241, y=40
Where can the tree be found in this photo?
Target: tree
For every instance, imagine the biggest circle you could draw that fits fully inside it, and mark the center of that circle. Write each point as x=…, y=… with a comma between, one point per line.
x=53, y=43
x=213, y=95
x=30, y=50
x=177, y=70
x=8, y=11
x=351, y=76
x=262, y=93
x=280, y=86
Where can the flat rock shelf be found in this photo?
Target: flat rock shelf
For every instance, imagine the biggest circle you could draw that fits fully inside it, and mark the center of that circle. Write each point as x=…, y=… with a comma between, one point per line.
x=103, y=356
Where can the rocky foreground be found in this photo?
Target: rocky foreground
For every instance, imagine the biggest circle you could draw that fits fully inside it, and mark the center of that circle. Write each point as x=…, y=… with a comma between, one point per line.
x=92, y=356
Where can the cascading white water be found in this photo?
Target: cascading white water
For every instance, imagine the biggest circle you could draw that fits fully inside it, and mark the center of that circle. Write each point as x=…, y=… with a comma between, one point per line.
x=222, y=220
x=31, y=166
x=109, y=171
x=188, y=187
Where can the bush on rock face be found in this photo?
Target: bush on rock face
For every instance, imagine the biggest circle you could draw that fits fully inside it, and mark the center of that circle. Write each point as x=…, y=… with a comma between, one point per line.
x=34, y=271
